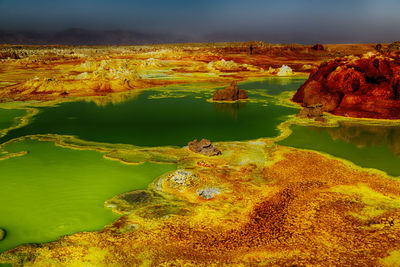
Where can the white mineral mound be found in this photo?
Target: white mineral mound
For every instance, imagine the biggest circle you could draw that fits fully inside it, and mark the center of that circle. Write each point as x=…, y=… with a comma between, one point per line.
x=285, y=71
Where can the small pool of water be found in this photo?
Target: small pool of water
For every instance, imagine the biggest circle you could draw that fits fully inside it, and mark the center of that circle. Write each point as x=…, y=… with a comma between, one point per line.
x=54, y=191
x=367, y=146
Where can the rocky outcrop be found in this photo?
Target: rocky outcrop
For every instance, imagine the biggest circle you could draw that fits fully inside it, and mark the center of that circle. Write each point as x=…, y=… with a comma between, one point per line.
x=231, y=93
x=9, y=54
x=395, y=46
x=204, y=147
x=378, y=47
x=356, y=87
x=318, y=47
x=312, y=112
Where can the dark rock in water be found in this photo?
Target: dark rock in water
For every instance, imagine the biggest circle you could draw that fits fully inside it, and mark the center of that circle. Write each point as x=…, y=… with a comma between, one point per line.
x=231, y=93
x=367, y=87
x=138, y=196
x=2, y=234
x=204, y=147
x=318, y=47
x=311, y=112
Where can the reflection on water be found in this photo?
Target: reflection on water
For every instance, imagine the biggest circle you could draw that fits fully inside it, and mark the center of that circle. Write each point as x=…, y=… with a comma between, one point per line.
x=368, y=135
x=113, y=99
x=283, y=80
x=272, y=85
x=231, y=108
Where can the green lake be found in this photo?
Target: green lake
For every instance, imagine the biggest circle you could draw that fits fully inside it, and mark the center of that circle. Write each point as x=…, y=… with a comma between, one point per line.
x=153, y=120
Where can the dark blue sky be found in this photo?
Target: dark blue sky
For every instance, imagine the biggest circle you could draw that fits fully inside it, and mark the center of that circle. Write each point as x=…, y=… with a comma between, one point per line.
x=302, y=21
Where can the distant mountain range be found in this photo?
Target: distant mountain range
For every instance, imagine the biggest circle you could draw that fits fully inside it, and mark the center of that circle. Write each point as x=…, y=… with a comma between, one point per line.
x=77, y=36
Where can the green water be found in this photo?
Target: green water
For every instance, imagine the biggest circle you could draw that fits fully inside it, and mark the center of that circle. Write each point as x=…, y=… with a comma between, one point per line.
x=55, y=191
x=8, y=117
x=146, y=121
x=367, y=146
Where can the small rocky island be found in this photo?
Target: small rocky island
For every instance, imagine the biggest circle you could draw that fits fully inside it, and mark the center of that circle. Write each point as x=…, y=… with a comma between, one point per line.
x=204, y=147
x=231, y=93
x=363, y=87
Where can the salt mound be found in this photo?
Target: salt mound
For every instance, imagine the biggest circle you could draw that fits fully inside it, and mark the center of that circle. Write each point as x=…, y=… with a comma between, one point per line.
x=285, y=71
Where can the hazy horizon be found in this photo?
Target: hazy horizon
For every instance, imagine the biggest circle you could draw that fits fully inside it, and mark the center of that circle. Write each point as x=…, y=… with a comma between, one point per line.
x=306, y=22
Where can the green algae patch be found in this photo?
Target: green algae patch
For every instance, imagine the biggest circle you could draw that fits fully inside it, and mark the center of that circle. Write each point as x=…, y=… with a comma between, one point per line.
x=53, y=191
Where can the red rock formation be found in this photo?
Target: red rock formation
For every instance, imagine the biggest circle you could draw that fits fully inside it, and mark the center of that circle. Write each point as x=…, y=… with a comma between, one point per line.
x=357, y=87
x=231, y=93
